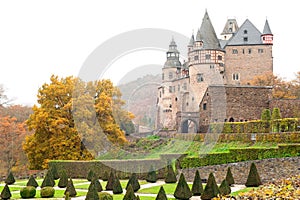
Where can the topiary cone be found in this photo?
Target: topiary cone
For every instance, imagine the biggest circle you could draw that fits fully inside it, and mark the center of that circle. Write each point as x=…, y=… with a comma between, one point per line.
x=161, y=194
x=129, y=195
x=92, y=193
x=48, y=180
x=117, y=188
x=253, y=179
x=197, y=188
x=171, y=176
x=71, y=189
x=182, y=190
x=151, y=176
x=10, y=179
x=63, y=181
x=229, y=177
x=211, y=189
x=133, y=181
x=5, y=193
x=32, y=182
x=110, y=181
x=225, y=188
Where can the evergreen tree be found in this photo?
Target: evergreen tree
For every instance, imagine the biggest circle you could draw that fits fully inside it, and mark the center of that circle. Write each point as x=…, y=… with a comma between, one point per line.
x=151, y=176
x=133, y=181
x=105, y=176
x=110, y=181
x=90, y=175
x=266, y=115
x=276, y=114
x=48, y=180
x=253, y=179
x=182, y=190
x=97, y=184
x=117, y=188
x=225, y=188
x=92, y=193
x=54, y=172
x=10, y=179
x=71, y=189
x=5, y=194
x=197, y=188
x=32, y=182
x=229, y=177
x=161, y=194
x=129, y=195
x=63, y=181
x=171, y=176
x=211, y=189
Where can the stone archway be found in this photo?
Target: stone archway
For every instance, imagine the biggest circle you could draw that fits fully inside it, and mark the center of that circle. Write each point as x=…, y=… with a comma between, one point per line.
x=189, y=126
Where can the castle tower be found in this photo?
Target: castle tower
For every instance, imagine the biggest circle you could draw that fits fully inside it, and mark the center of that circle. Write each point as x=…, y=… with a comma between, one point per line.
x=267, y=36
x=231, y=27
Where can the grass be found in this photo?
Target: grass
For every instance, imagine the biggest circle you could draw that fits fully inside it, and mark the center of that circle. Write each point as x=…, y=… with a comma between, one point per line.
x=169, y=189
x=243, y=191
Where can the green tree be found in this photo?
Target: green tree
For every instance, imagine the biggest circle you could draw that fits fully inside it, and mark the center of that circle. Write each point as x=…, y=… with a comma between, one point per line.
x=197, y=188
x=224, y=188
x=276, y=114
x=253, y=179
x=91, y=175
x=117, y=188
x=92, y=193
x=182, y=190
x=133, y=181
x=161, y=194
x=229, y=177
x=211, y=189
x=129, y=195
x=5, y=193
x=32, y=182
x=110, y=181
x=71, y=189
x=10, y=179
x=48, y=180
x=266, y=114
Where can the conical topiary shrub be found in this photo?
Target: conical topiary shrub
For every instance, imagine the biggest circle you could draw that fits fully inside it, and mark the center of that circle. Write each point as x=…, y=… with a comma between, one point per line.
x=151, y=176
x=161, y=194
x=5, y=193
x=10, y=179
x=97, y=185
x=105, y=176
x=224, y=188
x=133, y=181
x=170, y=176
x=63, y=181
x=117, y=188
x=92, y=193
x=253, y=179
x=54, y=172
x=71, y=189
x=182, y=190
x=197, y=188
x=91, y=175
x=32, y=182
x=110, y=181
x=211, y=189
x=48, y=180
x=129, y=193
x=229, y=177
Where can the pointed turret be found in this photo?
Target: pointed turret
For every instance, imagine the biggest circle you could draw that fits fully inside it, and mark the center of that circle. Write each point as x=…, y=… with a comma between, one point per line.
x=230, y=28
x=192, y=40
x=267, y=36
x=172, y=55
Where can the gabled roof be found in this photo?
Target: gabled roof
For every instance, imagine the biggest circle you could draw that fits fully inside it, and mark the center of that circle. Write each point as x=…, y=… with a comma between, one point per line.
x=247, y=34
x=230, y=27
x=207, y=34
x=267, y=29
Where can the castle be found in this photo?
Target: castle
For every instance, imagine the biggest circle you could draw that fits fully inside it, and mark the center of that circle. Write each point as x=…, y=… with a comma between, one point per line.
x=213, y=84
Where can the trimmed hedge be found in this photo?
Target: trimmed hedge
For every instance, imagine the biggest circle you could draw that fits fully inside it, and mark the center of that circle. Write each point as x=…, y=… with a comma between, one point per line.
x=238, y=155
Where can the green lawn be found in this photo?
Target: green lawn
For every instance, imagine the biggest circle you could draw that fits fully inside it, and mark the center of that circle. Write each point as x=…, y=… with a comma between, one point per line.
x=169, y=189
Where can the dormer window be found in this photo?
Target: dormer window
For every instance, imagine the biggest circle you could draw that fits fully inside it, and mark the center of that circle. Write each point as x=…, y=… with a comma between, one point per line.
x=245, y=31
x=245, y=39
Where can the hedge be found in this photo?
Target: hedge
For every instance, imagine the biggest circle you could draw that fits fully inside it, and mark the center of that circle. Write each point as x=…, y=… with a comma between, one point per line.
x=238, y=155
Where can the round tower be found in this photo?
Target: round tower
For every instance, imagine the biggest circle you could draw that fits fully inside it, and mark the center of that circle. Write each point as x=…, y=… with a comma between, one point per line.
x=267, y=36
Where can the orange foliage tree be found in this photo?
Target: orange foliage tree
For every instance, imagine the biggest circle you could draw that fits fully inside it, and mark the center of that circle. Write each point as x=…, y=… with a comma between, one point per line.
x=74, y=121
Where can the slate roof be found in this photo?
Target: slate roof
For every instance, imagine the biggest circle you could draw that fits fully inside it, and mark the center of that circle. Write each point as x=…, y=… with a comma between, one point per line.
x=207, y=34
x=267, y=29
x=247, y=34
x=230, y=27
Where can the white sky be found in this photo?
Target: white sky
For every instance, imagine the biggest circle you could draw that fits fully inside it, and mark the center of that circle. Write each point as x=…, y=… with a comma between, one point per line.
x=41, y=38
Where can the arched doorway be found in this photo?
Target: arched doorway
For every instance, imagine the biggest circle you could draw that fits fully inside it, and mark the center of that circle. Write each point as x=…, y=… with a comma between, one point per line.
x=189, y=126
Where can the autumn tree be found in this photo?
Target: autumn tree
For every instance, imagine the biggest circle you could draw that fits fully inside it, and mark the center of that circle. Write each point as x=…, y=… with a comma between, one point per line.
x=11, y=134
x=74, y=120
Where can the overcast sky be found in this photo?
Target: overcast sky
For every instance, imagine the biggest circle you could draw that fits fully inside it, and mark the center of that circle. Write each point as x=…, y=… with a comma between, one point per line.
x=41, y=38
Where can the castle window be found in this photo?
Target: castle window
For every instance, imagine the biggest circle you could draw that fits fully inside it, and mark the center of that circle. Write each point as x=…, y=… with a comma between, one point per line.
x=234, y=51
x=211, y=66
x=160, y=94
x=200, y=78
x=176, y=99
x=204, y=106
x=260, y=50
x=235, y=77
x=170, y=89
x=207, y=56
x=170, y=75
x=163, y=90
x=245, y=39
x=220, y=57
x=245, y=31
x=249, y=51
x=163, y=76
x=196, y=57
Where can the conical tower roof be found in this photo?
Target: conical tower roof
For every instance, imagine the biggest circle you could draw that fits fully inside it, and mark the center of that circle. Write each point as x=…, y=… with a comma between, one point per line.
x=192, y=40
x=267, y=29
x=207, y=34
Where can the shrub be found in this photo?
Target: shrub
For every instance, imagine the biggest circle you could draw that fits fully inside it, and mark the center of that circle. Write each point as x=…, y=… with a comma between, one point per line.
x=10, y=179
x=32, y=182
x=92, y=193
x=97, y=185
x=47, y=192
x=110, y=181
x=48, y=180
x=224, y=188
x=71, y=189
x=266, y=114
x=28, y=192
x=54, y=172
x=63, y=181
x=197, y=188
x=133, y=181
x=182, y=190
x=90, y=175
x=129, y=195
x=105, y=196
x=161, y=194
x=105, y=176
x=170, y=177
x=229, y=177
x=151, y=176
x=117, y=188
x=211, y=189
x=253, y=179
x=5, y=193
